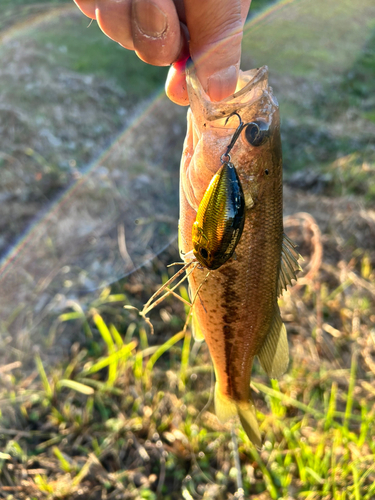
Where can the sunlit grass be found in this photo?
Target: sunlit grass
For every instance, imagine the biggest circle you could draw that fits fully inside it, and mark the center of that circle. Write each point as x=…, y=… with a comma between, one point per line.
x=317, y=421
x=82, y=47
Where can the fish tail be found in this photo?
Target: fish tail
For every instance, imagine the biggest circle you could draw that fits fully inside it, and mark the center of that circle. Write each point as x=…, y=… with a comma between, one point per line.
x=246, y=412
x=226, y=408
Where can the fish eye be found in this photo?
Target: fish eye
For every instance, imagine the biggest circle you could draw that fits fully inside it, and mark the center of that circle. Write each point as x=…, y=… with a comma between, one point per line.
x=256, y=132
x=203, y=253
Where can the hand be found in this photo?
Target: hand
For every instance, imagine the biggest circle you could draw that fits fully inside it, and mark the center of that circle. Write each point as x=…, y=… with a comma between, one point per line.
x=164, y=32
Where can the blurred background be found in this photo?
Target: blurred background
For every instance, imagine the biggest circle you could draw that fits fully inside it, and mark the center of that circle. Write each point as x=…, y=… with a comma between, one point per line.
x=92, y=406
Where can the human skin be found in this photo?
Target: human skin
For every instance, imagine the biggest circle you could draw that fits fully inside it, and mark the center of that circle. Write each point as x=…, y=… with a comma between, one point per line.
x=168, y=32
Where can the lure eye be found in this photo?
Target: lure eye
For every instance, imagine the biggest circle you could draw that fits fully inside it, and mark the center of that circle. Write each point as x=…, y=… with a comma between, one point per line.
x=203, y=253
x=256, y=132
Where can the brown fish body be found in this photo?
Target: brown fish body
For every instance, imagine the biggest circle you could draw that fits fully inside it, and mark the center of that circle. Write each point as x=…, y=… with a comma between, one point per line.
x=236, y=308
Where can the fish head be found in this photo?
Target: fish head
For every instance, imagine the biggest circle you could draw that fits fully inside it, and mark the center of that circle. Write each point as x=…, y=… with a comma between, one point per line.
x=256, y=153
x=258, y=144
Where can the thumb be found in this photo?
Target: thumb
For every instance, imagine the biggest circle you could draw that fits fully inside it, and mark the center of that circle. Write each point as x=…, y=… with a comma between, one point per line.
x=215, y=28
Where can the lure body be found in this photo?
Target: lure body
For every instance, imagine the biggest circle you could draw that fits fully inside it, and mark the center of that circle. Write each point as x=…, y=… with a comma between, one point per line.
x=220, y=219
x=236, y=308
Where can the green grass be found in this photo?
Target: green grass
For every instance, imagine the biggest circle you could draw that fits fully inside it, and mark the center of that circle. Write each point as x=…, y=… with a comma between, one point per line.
x=123, y=386
x=80, y=46
x=13, y=12
x=307, y=39
x=322, y=65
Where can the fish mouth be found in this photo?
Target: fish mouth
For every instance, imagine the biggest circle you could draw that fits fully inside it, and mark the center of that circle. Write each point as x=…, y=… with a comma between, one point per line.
x=250, y=87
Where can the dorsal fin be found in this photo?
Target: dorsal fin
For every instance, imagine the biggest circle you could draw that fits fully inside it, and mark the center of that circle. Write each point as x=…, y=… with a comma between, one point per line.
x=289, y=264
x=274, y=354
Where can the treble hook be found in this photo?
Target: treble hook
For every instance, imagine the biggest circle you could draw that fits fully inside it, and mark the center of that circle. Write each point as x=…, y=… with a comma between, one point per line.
x=236, y=135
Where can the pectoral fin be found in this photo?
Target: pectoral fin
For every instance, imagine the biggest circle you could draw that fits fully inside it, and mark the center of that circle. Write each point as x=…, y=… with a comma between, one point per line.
x=289, y=264
x=274, y=354
x=249, y=200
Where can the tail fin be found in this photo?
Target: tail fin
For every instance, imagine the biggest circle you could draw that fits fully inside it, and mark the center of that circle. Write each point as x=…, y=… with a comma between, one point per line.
x=226, y=409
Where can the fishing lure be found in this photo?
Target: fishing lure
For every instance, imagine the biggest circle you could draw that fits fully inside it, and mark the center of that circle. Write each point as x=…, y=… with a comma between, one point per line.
x=221, y=213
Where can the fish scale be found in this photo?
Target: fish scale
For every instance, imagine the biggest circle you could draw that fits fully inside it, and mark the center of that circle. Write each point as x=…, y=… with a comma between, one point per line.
x=236, y=309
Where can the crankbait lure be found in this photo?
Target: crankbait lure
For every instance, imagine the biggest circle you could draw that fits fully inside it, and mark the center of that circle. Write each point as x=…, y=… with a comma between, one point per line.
x=221, y=213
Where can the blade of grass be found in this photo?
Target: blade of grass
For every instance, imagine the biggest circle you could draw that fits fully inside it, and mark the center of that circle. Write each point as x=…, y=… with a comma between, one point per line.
x=349, y=402
x=119, y=297
x=185, y=359
x=356, y=484
x=116, y=336
x=42, y=483
x=123, y=353
x=367, y=418
x=266, y=474
x=102, y=386
x=76, y=386
x=161, y=350
x=130, y=332
x=185, y=295
x=331, y=407
x=64, y=464
x=292, y=402
x=74, y=363
x=80, y=315
x=49, y=442
x=104, y=332
x=314, y=475
x=143, y=338
x=138, y=366
x=85, y=469
x=288, y=400
x=43, y=376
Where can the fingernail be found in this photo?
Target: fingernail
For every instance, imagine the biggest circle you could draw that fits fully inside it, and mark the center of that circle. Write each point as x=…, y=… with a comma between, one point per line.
x=150, y=19
x=223, y=83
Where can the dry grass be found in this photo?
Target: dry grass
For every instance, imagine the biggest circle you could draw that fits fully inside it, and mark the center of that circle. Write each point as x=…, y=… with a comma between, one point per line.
x=121, y=416
x=94, y=407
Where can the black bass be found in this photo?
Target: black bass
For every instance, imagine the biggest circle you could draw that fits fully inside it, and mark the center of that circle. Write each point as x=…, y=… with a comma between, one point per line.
x=235, y=309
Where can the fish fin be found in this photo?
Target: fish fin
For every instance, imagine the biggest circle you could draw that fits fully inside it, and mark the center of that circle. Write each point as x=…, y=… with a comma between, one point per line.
x=274, y=354
x=226, y=409
x=196, y=330
x=249, y=200
x=246, y=412
x=289, y=264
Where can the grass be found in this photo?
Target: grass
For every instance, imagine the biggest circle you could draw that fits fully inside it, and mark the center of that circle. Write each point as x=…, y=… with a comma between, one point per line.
x=323, y=77
x=80, y=46
x=128, y=414
x=87, y=51
x=290, y=31
x=99, y=408
x=16, y=11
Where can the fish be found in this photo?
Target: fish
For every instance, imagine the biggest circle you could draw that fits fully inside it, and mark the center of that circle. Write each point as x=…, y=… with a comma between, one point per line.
x=235, y=307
